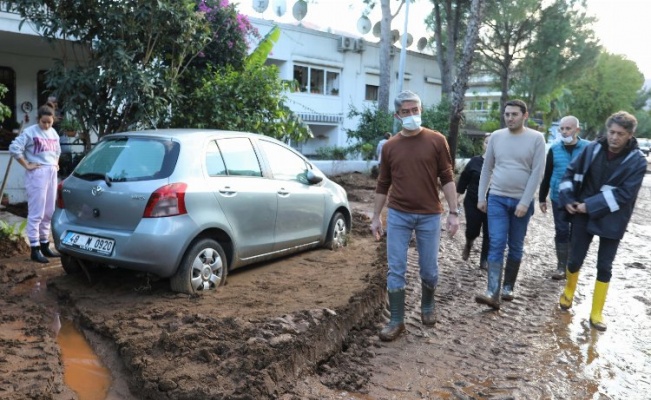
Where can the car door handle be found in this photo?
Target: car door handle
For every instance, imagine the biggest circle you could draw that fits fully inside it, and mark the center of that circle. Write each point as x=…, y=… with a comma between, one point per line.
x=283, y=192
x=226, y=191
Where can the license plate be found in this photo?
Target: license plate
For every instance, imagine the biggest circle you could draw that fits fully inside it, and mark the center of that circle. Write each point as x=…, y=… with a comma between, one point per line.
x=90, y=243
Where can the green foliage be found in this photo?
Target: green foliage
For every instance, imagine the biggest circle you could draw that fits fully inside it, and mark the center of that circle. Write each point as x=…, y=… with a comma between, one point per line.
x=251, y=100
x=563, y=45
x=610, y=86
x=5, y=112
x=259, y=55
x=372, y=125
x=437, y=117
x=331, y=153
x=123, y=71
x=12, y=231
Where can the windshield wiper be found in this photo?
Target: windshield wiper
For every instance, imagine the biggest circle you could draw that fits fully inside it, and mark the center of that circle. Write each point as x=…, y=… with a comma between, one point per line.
x=107, y=179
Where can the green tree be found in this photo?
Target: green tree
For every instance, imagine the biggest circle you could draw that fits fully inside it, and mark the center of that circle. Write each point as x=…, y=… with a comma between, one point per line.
x=5, y=112
x=373, y=123
x=562, y=47
x=610, y=86
x=127, y=56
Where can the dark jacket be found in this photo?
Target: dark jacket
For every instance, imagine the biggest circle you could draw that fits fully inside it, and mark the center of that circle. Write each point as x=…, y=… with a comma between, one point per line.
x=610, y=206
x=469, y=180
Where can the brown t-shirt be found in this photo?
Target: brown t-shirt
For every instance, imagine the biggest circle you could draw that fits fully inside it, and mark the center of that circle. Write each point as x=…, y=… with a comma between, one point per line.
x=411, y=167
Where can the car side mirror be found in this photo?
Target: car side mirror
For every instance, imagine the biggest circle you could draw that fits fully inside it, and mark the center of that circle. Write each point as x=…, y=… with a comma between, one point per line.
x=314, y=177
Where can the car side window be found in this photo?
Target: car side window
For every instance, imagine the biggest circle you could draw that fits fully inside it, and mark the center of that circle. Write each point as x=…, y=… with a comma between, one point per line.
x=214, y=161
x=285, y=164
x=239, y=157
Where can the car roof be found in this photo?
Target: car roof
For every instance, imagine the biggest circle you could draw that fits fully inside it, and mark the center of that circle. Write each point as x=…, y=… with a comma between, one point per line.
x=183, y=134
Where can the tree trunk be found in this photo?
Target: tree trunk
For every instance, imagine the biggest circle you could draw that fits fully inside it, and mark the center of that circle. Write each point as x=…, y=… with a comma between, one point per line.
x=385, y=59
x=463, y=73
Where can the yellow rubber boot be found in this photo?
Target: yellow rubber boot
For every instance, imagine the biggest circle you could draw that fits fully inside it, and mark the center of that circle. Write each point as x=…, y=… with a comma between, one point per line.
x=570, y=287
x=598, y=301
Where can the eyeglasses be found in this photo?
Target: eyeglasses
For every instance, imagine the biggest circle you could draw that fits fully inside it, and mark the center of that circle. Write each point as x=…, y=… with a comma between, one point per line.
x=405, y=112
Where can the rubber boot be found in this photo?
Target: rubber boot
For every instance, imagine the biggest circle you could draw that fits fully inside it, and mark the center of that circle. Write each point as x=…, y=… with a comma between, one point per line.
x=45, y=250
x=598, y=301
x=492, y=295
x=562, y=254
x=37, y=256
x=466, y=250
x=568, y=293
x=397, y=323
x=510, y=275
x=427, y=316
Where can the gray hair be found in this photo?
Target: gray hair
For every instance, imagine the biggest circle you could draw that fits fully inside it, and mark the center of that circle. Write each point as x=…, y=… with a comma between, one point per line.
x=404, y=96
x=573, y=118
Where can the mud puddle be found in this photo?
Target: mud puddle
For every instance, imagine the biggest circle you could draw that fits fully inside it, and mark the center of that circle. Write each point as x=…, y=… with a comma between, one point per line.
x=83, y=371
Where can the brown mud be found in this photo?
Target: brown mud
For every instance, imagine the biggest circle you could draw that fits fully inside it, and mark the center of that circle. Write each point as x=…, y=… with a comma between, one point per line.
x=305, y=327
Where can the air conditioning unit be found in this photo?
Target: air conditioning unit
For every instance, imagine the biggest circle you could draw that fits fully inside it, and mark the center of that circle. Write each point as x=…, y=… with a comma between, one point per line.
x=360, y=45
x=346, y=44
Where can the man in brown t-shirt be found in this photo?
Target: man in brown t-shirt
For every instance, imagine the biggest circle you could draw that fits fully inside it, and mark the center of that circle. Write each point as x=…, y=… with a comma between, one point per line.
x=413, y=163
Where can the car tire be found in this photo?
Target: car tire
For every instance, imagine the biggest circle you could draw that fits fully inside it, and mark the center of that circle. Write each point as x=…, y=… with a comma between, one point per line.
x=70, y=264
x=203, y=267
x=337, y=232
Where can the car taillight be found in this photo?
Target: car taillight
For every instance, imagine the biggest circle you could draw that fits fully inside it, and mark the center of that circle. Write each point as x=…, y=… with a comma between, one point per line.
x=166, y=201
x=60, y=203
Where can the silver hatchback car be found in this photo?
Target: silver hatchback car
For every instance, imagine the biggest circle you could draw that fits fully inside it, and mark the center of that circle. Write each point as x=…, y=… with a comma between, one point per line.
x=193, y=204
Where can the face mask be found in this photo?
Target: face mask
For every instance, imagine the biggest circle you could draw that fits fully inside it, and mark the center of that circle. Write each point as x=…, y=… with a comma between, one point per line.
x=567, y=140
x=411, y=123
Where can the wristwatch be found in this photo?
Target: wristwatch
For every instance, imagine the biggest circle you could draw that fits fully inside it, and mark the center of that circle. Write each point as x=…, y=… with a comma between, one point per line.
x=455, y=212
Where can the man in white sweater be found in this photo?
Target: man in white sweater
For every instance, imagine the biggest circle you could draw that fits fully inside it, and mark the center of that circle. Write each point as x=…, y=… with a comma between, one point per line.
x=513, y=167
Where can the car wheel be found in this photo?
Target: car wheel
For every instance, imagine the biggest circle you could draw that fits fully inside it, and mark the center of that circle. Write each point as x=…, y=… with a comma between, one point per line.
x=337, y=232
x=203, y=268
x=70, y=264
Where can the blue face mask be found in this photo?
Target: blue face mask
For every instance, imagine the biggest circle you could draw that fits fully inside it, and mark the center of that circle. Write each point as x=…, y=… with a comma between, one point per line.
x=412, y=122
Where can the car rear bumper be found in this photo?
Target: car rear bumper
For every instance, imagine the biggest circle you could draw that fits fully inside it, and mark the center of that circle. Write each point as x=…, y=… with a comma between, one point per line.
x=156, y=245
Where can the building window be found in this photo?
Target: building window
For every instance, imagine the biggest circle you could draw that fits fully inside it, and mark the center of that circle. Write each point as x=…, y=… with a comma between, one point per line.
x=372, y=93
x=316, y=80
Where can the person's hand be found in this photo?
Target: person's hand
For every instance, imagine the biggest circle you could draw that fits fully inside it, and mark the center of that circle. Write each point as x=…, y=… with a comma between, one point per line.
x=30, y=166
x=543, y=207
x=571, y=208
x=376, y=228
x=452, y=224
x=581, y=208
x=521, y=210
x=481, y=206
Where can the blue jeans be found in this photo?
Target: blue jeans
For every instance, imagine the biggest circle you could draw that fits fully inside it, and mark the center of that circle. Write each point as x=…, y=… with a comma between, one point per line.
x=561, y=226
x=400, y=226
x=504, y=227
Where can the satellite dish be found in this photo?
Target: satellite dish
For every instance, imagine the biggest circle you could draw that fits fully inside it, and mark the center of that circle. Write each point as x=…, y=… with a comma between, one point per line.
x=422, y=42
x=260, y=5
x=364, y=25
x=377, y=29
x=299, y=10
x=280, y=7
x=410, y=39
x=395, y=35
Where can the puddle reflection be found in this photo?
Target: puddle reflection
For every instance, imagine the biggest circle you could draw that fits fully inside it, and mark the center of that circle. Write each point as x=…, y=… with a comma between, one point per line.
x=84, y=373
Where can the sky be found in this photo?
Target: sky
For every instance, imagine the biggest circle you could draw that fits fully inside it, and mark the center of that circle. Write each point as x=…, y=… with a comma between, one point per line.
x=620, y=27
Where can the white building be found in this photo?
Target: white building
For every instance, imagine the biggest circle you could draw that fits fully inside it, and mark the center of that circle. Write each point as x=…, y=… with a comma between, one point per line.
x=335, y=71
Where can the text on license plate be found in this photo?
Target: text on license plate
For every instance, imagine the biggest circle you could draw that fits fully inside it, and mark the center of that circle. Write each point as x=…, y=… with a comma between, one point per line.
x=89, y=243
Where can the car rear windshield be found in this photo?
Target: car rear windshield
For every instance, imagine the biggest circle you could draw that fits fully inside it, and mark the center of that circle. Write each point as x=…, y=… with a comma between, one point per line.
x=124, y=159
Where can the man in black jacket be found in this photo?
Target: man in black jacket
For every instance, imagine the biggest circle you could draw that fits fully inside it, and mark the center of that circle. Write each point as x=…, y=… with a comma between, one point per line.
x=599, y=190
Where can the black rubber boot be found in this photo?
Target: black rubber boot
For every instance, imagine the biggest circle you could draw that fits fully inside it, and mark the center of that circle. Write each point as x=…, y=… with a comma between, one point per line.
x=492, y=295
x=37, y=256
x=45, y=250
x=397, y=323
x=466, y=250
x=510, y=275
x=562, y=254
x=427, y=316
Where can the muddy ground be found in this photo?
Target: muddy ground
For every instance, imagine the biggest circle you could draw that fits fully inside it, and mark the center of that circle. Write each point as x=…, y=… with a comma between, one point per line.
x=305, y=327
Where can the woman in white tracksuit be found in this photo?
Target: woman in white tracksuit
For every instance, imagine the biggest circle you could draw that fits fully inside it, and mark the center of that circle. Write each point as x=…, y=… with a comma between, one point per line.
x=37, y=149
